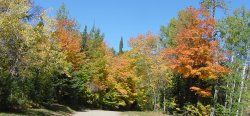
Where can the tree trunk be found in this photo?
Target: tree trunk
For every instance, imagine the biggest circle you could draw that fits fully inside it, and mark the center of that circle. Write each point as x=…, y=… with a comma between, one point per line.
x=231, y=97
x=154, y=101
x=226, y=98
x=241, y=87
x=164, y=100
x=213, y=8
x=225, y=104
x=215, y=98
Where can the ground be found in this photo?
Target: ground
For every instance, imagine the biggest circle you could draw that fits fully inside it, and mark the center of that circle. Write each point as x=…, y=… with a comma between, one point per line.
x=116, y=113
x=97, y=113
x=46, y=112
x=61, y=110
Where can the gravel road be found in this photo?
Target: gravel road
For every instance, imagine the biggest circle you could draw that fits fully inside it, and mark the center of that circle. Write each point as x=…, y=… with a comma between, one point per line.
x=97, y=113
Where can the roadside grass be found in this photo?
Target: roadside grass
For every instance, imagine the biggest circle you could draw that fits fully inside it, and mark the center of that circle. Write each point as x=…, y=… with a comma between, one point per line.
x=146, y=113
x=49, y=110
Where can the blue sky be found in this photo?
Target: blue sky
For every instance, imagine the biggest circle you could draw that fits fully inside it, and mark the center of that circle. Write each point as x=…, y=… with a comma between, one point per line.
x=126, y=18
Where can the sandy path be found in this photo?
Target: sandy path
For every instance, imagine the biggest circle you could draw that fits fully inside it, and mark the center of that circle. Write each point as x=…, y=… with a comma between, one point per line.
x=97, y=113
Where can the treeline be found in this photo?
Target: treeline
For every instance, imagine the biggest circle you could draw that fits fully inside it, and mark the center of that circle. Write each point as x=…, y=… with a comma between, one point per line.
x=197, y=65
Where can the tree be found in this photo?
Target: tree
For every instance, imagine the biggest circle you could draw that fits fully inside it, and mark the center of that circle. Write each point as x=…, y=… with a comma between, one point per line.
x=235, y=32
x=30, y=57
x=84, y=39
x=196, y=56
x=62, y=13
x=121, y=46
x=13, y=48
x=121, y=79
x=211, y=5
x=149, y=69
x=69, y=37
x=169, y=32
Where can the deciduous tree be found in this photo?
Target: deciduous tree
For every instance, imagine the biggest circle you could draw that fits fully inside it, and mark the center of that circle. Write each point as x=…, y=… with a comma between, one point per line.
x=196, y=56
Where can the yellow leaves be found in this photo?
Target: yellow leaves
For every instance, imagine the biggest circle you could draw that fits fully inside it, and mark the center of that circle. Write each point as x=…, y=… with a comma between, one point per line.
x=120, y=75
x=111, y=80
x=143, y=44
x=121, y=89
x=198, y=110
x=100, y=85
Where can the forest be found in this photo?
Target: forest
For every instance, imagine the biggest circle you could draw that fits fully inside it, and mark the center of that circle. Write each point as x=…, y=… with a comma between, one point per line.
x=199, y=64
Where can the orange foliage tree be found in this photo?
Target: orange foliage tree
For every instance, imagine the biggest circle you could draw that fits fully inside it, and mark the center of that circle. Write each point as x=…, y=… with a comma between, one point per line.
x=69, y=40
x=196, y=54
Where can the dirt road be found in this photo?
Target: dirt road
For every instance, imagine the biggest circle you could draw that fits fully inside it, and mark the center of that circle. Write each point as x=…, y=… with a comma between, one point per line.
x=97, y=113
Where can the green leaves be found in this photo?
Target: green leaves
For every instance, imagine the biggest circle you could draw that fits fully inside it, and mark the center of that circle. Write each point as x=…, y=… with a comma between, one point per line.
x=236, y=32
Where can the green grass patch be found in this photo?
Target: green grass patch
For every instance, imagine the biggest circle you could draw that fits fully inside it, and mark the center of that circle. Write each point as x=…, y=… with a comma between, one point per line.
x=146, y=113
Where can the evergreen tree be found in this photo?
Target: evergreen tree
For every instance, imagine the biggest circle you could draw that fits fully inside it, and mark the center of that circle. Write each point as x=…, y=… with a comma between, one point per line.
x=84, y=39
x=113, y=51
x=62, y=13
x=121, y=46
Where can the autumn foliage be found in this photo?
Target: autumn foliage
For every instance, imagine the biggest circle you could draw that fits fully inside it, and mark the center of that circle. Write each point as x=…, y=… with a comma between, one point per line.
x=196, y=54
x=69, y=41
x=196, y=66
x=122, y=77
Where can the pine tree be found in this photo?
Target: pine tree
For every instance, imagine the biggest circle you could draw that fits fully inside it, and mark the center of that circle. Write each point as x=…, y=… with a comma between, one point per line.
x=121, y=46
x=62, y=13
x=84, y=39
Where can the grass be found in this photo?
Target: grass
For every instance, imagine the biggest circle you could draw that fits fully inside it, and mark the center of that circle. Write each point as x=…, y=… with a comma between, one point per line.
x=49, y=110
x=147, y=113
